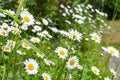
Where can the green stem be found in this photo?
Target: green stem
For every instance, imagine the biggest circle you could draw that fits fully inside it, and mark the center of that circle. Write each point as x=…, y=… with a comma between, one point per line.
x=19, y=9
x=10, y=15
x=3, y=78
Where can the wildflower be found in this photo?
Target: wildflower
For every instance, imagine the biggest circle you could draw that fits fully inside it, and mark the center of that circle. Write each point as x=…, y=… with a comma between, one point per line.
x=46, y=76
x=53, y=29
x=27, y=17
x=72, y=62
x=112, y=51
x=95, y=70
x=75, y=35
x=62, y=52
x=24, y=27
x=35, y=40
x=40, y=55
x=3, y=33
x=47, y=62
x=113, y=71
x=20, y=52
x=36, y=28
x=45, y=22
x=31, y=66
x=15, y=30
x=95, y=37
x=79, y=67
x=11, y=12
x=6, y=48
x=5, y=27
x=107, y=78
x=11, y=43
x=25, y=45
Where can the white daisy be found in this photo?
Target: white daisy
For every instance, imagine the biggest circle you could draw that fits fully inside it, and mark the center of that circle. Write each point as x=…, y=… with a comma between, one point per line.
x=36, y=28
x=72, y=62
x=27, y=17
x=107, y=78
x=95, y=70
x=113, y=71
x=45, y=22
x=15, y=30
x=6, y=48
x=24, y=27
x=35, y=40
x=31, y=66
x=62, y=52
x=40, y=55
x=5, y=27
x=25, y=45
x=46, y=76
x=3, y=33
x=113, y=51
x=75, y=35
x=11, y=43
x=95, y=37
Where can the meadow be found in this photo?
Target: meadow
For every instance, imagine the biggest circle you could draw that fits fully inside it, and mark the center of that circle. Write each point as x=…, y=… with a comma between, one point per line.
x=66, y=46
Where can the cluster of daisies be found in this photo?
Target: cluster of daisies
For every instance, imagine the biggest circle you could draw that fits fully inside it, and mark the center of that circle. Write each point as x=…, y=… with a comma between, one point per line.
x=32, y=30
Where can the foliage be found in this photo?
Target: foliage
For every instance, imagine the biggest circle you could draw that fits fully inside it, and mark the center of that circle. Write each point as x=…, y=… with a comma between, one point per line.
x=59, y=43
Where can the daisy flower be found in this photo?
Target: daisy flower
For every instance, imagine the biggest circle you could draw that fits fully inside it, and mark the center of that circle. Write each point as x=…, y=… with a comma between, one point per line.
x=6, y=48
x=72, y=62
x=31, y=66
x=27, y=17
x=25, y=45
x=45, y=22
x=15, y=30
x=113, y=71
x=62, y=52
x=35, y=40
x=11, y=43
x=36, y=28
x=113, y=51
x=3, y=33
x=5, y=27
x=95, y=37
x=24, y=27
x=40, y=55
x=95, y=70
x=46, y=76
x=75, y=35
x=107, y=78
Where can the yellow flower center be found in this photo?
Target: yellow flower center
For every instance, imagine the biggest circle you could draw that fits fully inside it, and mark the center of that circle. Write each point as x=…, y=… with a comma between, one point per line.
x=16, y=30
x=95, y=37
x=11, y=43
x=7, y=48
x=5, y=28
x=35, y=40
x=26, y=45
x=26, y=19
x=72, y=62
x=30, y=66
x=46, y=78
x=61, y=52
x=3, y=33
x=112, y=52
x=95, y=71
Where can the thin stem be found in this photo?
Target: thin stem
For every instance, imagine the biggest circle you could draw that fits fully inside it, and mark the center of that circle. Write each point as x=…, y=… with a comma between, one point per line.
x=10, y=15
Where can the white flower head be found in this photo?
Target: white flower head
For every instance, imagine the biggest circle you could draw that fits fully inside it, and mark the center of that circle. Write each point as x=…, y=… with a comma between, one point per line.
x=75, y=35
x=107, y=78
x=25, y=45
x=45, y=22
x=36, y=28
x=62, y=52
x=113, y=51
x=27, y=17
x=46, y=76
x=72, y=62
x=6, y=48
x=95, y=70
x=113, y=71
x=31, y=66
x=24, y=27
x=95, y=37
x=11, y=43
x=35, y=40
